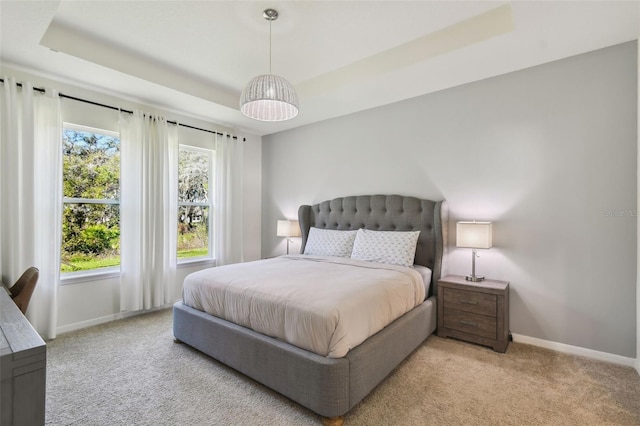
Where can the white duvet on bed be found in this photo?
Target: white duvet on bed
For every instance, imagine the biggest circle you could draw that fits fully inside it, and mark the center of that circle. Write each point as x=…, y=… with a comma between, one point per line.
x=325, y=305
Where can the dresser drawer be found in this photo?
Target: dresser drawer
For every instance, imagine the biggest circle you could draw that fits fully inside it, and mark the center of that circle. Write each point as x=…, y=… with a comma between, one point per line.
x=476, y=312
x=469, y=301
x=478, y=325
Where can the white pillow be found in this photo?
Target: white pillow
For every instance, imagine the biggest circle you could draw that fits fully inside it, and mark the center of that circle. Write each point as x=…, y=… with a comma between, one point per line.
x=395, y=247
x=329, y=242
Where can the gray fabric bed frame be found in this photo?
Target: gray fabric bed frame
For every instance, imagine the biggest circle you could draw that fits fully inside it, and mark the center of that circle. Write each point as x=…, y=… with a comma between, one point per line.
x=332, y=386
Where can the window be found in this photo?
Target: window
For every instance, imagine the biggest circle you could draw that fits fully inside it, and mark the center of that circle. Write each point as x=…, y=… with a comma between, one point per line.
x=91, y=191
x=195, y=172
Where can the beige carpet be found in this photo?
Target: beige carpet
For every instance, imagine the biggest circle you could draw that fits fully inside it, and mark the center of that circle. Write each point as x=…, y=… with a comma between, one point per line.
x=131, y=373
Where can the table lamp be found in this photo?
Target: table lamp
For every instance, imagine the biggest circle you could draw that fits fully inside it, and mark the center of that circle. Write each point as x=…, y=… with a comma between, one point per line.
x=473, y=235
x=288, y=229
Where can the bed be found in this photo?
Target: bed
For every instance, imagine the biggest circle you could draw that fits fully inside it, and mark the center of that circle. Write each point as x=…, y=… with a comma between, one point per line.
x=331, y=386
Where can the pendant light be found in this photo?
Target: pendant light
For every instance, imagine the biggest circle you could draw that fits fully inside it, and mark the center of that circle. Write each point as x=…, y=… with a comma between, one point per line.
x=269, y=97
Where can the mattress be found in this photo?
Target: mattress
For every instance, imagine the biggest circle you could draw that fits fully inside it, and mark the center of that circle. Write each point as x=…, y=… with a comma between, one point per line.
x=322, y=304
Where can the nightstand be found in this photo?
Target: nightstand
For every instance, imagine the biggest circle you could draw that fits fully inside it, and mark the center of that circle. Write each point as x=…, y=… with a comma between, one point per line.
x=477, y=312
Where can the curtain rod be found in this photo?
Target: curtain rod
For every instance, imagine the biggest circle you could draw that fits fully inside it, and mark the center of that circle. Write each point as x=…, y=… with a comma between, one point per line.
x=86, y=101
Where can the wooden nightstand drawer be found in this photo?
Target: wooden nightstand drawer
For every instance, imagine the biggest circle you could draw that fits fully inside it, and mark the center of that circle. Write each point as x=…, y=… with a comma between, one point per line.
x=477, y=312
x=468, y=301
x=478, y=325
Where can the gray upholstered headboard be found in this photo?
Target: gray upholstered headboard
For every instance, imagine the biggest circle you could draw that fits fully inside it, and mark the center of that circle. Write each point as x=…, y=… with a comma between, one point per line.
x=386, y=213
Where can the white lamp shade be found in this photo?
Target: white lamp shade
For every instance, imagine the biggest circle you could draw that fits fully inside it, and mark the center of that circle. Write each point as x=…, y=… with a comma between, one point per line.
x=269, y=97
x=474, y=235
x=288, y=228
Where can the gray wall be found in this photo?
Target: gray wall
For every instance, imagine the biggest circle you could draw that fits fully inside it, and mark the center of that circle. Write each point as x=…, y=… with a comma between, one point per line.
x=548, y=154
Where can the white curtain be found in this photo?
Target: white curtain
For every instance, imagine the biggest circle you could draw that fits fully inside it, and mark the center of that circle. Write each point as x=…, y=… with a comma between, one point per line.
x=148, y=211
x=228, y=200
x=31, y=195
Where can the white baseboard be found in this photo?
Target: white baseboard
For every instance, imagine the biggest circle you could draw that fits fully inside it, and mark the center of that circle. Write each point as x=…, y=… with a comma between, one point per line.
x=576, y=350
x=108, y=318
x=638, y=364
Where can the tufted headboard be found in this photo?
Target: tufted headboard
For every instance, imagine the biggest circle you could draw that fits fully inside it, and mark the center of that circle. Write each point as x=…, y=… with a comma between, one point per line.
x=386, y=213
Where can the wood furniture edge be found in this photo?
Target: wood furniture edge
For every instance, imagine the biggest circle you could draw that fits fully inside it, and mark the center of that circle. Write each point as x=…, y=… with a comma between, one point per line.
x=333, y=421
x=495, y=287
x=23, y=367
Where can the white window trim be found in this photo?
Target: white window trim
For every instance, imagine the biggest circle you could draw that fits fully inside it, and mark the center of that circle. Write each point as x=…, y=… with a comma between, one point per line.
x=89, y=129
x=67, y=200
x=190, y=262
x=77, y=277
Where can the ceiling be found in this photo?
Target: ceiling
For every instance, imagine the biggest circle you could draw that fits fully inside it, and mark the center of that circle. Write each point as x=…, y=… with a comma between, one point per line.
x=194, y=57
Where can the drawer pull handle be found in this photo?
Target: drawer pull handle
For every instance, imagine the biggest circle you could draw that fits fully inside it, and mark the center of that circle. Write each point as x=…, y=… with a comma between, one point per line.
x=470, y=323
x=469, y=302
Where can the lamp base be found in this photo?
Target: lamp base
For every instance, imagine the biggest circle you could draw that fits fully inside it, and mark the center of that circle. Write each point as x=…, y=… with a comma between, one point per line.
x=473, y=278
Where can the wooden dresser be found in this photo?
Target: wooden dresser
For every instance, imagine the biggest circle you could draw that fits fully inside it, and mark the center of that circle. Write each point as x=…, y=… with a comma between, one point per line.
x=23, y=362
x=477, y=312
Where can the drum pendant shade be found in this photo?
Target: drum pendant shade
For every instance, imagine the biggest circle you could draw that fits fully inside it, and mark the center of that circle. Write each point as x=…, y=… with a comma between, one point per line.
x=269, y=97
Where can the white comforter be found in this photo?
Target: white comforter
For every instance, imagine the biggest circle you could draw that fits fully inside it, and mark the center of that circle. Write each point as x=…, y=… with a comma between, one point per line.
x=325, y=305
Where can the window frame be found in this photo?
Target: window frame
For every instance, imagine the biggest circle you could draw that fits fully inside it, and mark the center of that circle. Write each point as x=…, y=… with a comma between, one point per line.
x=97, y=273
x=210, y=249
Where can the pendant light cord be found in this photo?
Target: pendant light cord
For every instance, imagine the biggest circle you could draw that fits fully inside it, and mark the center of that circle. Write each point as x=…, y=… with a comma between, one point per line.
x=270, y=15
x=270, y=21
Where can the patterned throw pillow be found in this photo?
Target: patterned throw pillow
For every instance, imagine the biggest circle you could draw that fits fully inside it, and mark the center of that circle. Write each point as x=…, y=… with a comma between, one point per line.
x=329, y=242
x=395, y=247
